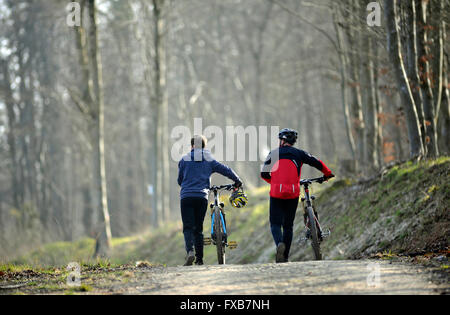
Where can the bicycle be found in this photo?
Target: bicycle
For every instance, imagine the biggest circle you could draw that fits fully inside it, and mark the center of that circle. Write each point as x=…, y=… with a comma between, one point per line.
x=219, y=233
x=313, y=231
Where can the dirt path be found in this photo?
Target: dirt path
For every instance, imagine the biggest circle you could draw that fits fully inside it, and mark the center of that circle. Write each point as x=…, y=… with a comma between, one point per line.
x=323, y=277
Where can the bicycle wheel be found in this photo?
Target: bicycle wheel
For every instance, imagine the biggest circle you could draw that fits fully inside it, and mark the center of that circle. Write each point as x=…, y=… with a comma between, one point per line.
x=218, y=231
x=314, y=234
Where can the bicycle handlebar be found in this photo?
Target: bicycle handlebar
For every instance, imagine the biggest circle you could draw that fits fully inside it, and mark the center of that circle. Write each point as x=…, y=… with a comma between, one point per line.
x=225, y=187
x=319, y=180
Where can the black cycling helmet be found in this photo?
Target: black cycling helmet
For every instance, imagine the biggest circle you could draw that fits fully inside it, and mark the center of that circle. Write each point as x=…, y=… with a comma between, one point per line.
x=289, y=135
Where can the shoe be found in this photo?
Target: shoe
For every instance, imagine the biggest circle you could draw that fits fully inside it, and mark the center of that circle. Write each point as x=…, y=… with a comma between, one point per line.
x=280, y=253
x=189, y=259
x=199, y=262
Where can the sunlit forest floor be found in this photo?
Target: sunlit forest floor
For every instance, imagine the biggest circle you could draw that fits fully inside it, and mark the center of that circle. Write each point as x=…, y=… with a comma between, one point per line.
x=402, y=214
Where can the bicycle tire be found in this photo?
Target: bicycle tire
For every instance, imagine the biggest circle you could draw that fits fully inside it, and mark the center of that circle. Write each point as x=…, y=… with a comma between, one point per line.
x=314, y=234
x=218, y=231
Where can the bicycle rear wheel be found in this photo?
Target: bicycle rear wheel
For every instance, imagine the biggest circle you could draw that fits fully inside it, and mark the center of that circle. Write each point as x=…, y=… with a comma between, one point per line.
x=314, y=234
x=219, y=232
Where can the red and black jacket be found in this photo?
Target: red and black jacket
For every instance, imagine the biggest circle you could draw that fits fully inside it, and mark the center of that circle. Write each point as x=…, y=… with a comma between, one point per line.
x=282, y=169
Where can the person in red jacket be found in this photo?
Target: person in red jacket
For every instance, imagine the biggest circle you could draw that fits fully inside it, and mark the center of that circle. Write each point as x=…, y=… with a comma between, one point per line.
x=282, y=170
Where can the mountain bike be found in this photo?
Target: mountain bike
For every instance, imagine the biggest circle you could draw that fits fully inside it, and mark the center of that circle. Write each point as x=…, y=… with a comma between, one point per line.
x=313, y=229
x=219, y=233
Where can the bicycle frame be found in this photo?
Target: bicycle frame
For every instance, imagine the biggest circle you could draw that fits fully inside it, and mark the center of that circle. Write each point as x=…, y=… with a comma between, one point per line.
x=221, y=219
x=217, y=205
x=219, y=236
x=307, y=196
x=310, y=218
x=308, y=199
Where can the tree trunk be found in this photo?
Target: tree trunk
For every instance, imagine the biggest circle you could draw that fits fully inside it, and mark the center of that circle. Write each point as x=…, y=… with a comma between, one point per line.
x=162, y=102
x=425, y=54
x=27, y=125
x=444, y=142
x=372, y=106
x=344, y=93
x=396, y=57
x=311, y=139
x=91, y=105
x=439, y=24
x=379, y=109
x=104, y=236
x=354, y=57
x=257, y=53
x=327, y=147
x=413, y=66
x=11, y=137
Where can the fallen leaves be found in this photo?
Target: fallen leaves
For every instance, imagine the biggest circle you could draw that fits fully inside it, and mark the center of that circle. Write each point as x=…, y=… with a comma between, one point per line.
x=387, y=255
x=143, y=264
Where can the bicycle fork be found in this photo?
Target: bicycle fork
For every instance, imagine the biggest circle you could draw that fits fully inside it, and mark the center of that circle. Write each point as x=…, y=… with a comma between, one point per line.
x=212, y=240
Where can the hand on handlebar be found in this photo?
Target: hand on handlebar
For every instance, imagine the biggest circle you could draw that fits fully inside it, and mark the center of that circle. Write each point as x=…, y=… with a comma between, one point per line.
x=237, y=184
x=326, y=178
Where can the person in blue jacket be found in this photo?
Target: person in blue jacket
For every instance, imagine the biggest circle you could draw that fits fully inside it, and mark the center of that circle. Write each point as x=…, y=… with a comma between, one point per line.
x=194, y=177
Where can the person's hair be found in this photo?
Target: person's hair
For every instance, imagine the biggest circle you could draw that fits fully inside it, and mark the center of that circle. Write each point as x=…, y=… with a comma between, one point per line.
x=196, y=141
x=286, y=143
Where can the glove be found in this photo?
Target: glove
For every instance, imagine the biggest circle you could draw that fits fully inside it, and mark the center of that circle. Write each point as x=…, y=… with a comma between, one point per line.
x=237, y=184
x=328, y=177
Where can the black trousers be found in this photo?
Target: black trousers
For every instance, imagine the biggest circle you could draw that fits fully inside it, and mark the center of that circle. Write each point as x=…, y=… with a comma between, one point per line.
x=193, y=210
x=282, y=215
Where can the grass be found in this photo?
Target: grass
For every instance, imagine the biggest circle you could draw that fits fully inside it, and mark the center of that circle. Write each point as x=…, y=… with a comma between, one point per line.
x=21, y=268
x=60, y=254
x=13, y=268
x=81, y=288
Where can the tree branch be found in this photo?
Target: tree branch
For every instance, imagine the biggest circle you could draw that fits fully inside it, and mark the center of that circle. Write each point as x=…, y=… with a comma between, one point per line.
x=323, y=32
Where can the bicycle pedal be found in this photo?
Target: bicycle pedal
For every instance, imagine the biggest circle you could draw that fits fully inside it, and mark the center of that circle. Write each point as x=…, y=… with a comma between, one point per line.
x=326, y=234
x=232, y=245
x=303, y=240
x=207, y=241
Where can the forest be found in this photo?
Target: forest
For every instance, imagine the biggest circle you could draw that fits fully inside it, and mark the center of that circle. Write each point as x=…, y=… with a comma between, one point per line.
x=91, y=91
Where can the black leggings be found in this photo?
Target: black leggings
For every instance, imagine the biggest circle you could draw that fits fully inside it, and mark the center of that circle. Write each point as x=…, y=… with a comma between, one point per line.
x=282, y=215
x=193, y=210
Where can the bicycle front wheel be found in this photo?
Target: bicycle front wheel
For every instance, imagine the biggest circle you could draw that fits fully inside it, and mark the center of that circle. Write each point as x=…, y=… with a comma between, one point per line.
x=219, y=232
x=314, y=234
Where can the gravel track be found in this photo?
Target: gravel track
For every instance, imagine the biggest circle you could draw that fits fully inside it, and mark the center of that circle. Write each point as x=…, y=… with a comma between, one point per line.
x=314, y=277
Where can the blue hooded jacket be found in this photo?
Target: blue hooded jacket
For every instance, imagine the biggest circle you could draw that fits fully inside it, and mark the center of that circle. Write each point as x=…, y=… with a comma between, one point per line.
x=195, y=170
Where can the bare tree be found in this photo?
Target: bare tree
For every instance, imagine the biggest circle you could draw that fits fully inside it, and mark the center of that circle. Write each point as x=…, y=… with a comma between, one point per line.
x=91, y=104
x=424, y=53
x=396, y=55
